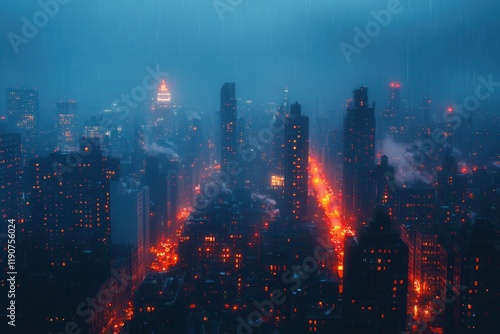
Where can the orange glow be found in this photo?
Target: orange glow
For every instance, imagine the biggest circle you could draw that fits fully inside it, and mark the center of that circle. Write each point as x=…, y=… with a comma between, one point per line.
x=163, y=97
x=164, y=257
x=163, y=86
x=330, y=203
x=183, y=214
x=395, y=85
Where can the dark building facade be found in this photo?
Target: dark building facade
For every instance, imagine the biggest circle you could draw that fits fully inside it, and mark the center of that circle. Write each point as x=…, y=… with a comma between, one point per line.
x=359, y=155
x=67, y=127
x=10, y=175
x=228, y=125
x=22, y=115
x=296, y=164
x=375, y=279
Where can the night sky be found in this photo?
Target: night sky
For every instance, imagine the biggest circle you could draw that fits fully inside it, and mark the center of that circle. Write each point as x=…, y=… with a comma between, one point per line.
x=93, y=51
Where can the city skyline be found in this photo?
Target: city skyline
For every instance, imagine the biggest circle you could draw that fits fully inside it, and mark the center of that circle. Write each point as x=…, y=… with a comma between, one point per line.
x=249, y=167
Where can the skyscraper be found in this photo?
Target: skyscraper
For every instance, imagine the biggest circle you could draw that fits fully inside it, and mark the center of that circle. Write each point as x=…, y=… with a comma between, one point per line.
x=451, y=193
x=69, y=212
x=359, y=155
x=10, y=196
x=278, y=144
x=391, y=113
x=130, y=222
x=162, y=178
x=22, y=114
x=67, y=127
x=228, y=126
x=375, y=279
x=10, y=175
x=296, y=164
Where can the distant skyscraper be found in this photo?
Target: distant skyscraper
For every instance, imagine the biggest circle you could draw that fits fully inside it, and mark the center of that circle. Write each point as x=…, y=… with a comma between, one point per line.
x=451, y=193
x=278, y=145
x=11, y=190
x=67, y=127
x=228, y=126
x=391, y=113
x=163, y=98
x=296, y=164
x=22, y=114
x=22, y=108
x=376, y=279
x=163, y=126
x=359, y=155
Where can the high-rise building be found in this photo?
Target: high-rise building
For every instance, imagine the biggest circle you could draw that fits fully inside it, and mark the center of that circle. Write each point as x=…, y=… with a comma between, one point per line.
x=67, y=127
x=130, y=222
x=414, y=206
x=278, y=144
x=390, y=114
x=296, y=164
x=69, y=206
x=451, y=193
x=228, y=126
x=359, y=155
x=470, y=267
x=22, y=108
x=384, y=182
x=162, y=114
x=22, y=114
x=162, y=178
x=11, y=196
x=375, y=279
x=11, y=186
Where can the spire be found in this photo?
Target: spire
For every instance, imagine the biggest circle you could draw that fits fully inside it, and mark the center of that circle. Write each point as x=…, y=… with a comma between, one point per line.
x=163, y=97
x=163, y=86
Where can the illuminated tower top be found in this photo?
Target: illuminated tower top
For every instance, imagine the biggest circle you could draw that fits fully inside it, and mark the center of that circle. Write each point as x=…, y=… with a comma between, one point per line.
x=163, y=98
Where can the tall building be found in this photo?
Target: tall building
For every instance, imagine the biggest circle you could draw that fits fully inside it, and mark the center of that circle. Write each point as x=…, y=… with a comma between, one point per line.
x=470, y=267
x=451, y=193
x=67, y=126
x=11, y=196
x=130, y=222
x=69, y=206
x=162, y=178
x=390, y=114
x=22, y=115
x=384, y=182
x=375, y=279
x=162, y=113
x=228, y=126
x=359, y=155
x=414, y=206
x=11, y=186
x=296, y=164
x=278, y=144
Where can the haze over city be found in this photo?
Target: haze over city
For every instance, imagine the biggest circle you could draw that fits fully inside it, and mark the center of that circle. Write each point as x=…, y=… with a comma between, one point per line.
x=249, y=166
